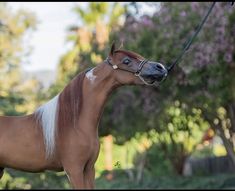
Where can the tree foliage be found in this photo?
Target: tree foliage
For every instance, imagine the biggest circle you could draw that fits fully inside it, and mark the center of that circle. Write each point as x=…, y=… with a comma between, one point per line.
x=17, y=96
x=204, y=79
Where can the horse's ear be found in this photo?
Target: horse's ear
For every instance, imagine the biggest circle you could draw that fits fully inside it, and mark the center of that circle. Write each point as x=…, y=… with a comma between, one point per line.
x=112, y=49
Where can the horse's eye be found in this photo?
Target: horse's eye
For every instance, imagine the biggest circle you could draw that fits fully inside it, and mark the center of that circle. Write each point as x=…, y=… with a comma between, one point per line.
x=126, y=61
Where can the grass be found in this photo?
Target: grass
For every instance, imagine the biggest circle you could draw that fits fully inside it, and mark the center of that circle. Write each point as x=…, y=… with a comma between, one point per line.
x=120, y=180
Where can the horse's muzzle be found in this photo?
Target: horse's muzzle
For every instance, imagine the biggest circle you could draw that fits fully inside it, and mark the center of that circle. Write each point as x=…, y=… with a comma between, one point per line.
x=154, y=72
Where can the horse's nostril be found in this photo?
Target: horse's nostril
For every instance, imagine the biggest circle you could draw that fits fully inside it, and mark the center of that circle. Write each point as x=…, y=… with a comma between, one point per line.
x=159, y=67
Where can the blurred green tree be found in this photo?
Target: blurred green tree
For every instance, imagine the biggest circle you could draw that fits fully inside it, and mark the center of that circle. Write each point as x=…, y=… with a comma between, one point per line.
x=17, y=96
x=88, y=40
x=204, y=78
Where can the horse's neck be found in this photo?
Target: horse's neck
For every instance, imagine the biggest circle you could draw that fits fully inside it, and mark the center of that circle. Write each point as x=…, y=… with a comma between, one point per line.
x=98, y=84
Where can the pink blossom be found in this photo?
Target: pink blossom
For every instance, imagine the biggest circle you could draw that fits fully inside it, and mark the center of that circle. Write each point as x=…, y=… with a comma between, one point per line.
x=183, y=14
x=228, y=57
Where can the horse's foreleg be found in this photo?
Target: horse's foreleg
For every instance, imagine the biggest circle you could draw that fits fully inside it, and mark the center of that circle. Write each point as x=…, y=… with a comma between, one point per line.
x=89, y=177
x=1, y=172
x=76, y=178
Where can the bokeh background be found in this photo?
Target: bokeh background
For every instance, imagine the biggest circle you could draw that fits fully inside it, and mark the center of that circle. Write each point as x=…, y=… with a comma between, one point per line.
x=178, y=135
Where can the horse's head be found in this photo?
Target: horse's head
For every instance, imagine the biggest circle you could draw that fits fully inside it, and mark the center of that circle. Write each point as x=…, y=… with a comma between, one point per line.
x=131, y=68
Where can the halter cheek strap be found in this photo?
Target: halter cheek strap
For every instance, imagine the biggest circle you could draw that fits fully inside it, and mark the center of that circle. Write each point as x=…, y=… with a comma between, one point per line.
x=136, y=73
x=141, y=64
x=114, y=66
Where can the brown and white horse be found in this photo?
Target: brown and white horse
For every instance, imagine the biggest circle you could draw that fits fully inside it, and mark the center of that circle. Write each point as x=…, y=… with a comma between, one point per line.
x=63, y=133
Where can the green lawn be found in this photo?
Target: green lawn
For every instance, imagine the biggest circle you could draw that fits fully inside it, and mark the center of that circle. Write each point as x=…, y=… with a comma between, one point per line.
x=120, y=181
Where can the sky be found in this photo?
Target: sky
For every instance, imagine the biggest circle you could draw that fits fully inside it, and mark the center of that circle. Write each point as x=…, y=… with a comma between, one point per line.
x=48, y=41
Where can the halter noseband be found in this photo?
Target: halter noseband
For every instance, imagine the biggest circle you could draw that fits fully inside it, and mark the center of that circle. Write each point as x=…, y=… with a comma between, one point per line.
x=136, y=73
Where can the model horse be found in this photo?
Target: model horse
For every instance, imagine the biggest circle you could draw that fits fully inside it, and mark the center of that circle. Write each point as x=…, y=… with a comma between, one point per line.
x=62, y=135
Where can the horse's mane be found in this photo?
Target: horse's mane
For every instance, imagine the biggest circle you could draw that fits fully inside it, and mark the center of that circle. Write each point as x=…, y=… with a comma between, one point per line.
x=61, y=112
x=70, y=103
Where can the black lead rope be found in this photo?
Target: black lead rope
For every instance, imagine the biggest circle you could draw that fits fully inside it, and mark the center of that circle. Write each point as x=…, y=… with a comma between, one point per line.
x=191, y=39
